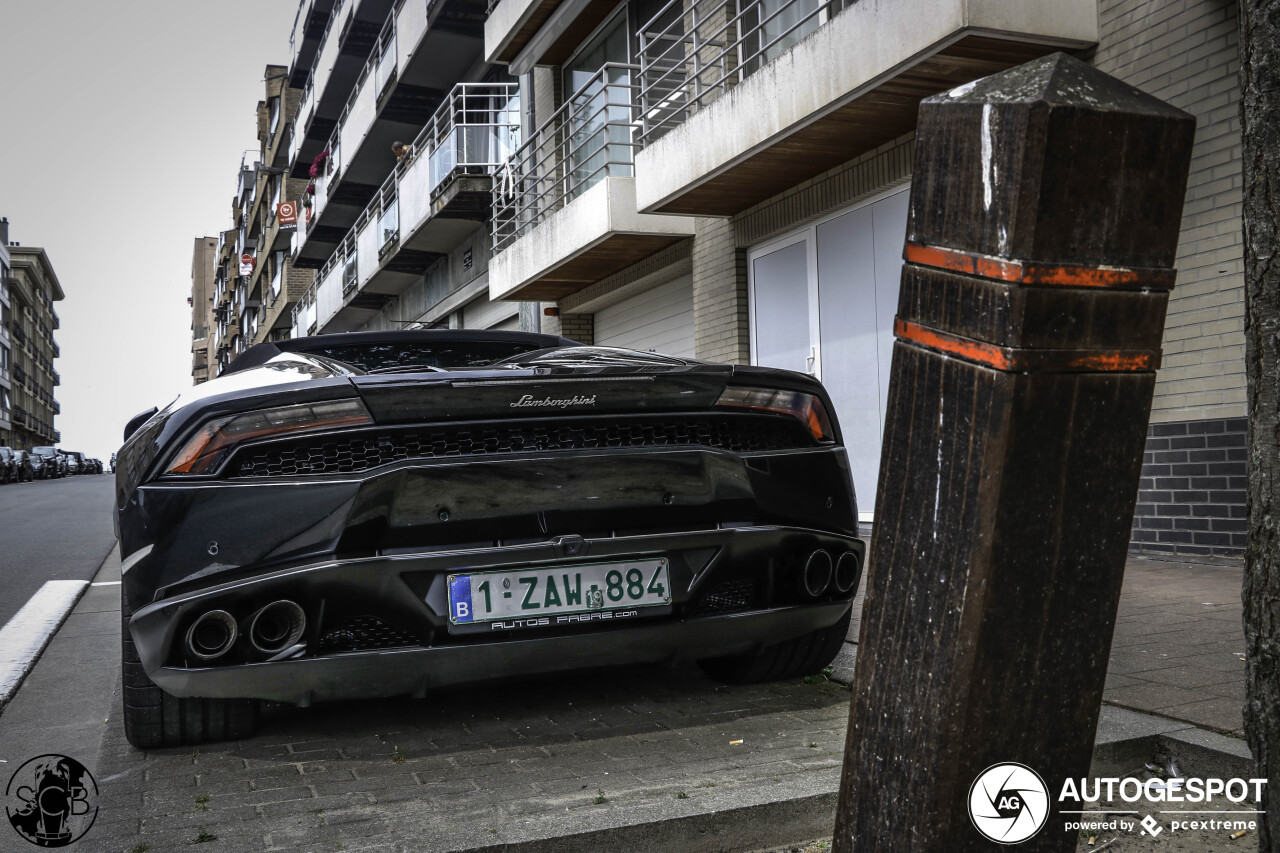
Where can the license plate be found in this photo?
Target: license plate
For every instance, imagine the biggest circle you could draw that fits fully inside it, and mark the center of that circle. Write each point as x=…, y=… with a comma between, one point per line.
x=557, y=590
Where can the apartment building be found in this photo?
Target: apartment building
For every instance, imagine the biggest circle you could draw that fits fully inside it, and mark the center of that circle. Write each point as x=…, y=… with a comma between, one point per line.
x=402, y=125
x=254, y=282
x=719, y=179
x=6, y=342
x=728, y=180
x=203, y=254
x=27, y=347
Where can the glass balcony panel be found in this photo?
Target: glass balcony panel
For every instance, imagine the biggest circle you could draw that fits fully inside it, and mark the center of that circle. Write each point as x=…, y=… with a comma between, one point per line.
x=386, y=70
x=389, y=226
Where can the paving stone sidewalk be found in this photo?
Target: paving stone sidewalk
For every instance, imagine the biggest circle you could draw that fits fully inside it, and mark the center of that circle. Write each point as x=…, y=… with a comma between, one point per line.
x=630, y=760
x=1179, y=643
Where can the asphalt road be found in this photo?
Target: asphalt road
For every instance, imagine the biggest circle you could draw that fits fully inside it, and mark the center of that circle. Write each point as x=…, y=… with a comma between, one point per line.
x=51, y=530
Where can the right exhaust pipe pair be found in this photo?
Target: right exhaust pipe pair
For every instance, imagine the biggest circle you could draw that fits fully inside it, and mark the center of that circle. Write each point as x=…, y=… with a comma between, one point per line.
x=821, y=571
x=270, y=630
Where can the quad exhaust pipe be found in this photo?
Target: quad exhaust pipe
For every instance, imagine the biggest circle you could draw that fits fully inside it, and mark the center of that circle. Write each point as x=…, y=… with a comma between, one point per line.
x=846, y=571
x=276, y=627
x=822, y=571
x=817, y=573
x=212, y=635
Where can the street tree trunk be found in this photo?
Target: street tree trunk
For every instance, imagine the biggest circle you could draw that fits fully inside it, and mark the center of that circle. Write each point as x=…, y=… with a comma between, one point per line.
x=1260, y=123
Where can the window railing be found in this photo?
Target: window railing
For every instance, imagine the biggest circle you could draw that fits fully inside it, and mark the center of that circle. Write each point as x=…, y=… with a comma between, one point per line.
x=591, y=137
x=694, y=51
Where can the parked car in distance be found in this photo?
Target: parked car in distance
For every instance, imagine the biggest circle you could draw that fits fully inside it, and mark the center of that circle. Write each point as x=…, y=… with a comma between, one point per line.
x=39, y=470
x=50, y=460
x=26, y=471
x=385, y=513
x=8, y=466
x=73, y=462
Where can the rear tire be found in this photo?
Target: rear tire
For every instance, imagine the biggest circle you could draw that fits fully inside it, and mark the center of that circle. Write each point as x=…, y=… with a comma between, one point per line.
x=805, y=655
x=154, y=719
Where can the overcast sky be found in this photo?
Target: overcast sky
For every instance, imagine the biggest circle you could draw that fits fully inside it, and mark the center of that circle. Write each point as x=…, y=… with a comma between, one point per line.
x=120, y=141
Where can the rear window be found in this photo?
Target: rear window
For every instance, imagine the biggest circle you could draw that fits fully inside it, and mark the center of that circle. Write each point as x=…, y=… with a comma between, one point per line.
x=402, y=355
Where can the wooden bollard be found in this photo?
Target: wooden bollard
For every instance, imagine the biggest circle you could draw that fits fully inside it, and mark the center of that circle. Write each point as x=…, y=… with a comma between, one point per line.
x=1045, y=210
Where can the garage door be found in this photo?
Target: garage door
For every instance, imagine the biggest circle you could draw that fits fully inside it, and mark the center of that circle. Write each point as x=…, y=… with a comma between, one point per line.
x=658, y=320
x=483, y=314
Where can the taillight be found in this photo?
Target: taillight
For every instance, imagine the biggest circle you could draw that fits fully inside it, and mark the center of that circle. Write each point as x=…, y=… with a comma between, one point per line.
x=804, y=407
x=215, y=439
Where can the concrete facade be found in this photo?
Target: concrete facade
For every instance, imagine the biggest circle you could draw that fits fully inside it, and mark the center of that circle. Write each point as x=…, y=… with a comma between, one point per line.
x=204, y=251
x=33, y=288
x=1183, y=51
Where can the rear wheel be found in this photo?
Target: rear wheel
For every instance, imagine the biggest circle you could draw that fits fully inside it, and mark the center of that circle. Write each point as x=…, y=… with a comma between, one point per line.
x=805, y=655
x=154, y=719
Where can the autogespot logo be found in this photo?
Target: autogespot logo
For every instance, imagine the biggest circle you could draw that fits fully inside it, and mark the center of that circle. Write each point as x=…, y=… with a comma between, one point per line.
x=1008, y=803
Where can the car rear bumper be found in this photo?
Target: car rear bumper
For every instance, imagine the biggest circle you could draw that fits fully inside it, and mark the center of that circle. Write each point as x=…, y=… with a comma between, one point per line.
x=398, y=672
x=733, y=591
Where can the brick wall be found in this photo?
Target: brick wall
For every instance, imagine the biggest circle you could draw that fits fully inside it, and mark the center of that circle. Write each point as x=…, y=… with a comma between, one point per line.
x=720, y=311
x=1191, y=498
x=578, y=327
x=1184, y=52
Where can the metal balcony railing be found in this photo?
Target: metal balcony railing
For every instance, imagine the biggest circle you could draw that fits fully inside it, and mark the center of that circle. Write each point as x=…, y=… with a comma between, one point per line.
x=473, y=132
x=592, y=136
x=694, y=51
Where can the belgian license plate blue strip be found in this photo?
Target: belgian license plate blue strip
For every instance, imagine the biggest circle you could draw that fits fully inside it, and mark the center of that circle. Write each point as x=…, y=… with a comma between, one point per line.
x=557, y=590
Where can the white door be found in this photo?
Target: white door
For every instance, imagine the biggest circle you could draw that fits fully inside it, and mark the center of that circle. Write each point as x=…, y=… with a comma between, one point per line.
x=659, y=320
x=823, y=301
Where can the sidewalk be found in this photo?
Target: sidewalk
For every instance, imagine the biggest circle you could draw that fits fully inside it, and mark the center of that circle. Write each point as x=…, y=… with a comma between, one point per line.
x=622, y=760
x=1179, y=644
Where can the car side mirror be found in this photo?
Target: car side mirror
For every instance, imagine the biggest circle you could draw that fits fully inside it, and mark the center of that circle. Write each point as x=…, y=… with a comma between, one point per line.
x=137, y=421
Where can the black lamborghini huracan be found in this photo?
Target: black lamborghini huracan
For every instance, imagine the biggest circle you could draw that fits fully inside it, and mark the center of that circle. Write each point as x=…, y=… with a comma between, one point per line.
x=380, y=514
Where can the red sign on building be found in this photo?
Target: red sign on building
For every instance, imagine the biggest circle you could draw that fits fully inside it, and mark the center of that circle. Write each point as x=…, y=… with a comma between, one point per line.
x=287, y=215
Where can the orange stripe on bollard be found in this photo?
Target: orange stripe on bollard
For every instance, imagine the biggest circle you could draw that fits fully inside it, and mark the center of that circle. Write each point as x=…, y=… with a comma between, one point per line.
x=1015, y=360
x=1018, y=272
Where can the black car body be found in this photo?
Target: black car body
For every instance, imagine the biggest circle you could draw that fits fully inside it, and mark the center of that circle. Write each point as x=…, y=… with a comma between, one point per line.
x=51, y=462
x=25, y=466
x=339, y=517
x=8, y=466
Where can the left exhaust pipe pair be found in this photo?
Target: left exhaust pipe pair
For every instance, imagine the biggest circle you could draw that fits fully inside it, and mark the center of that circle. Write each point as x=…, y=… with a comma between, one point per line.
x=270, y=630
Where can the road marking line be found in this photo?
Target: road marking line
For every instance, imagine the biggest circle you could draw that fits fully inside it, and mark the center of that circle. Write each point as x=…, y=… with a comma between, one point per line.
x=24, y=637
x=105, y=583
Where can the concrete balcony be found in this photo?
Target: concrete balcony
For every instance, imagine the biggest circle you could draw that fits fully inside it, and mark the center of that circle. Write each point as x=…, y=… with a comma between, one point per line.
x=350, y=35
x=524, y=33
x=434, y=199
x=309, y=27
x=565, y=211
x=738, y=103
x=423, y=49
